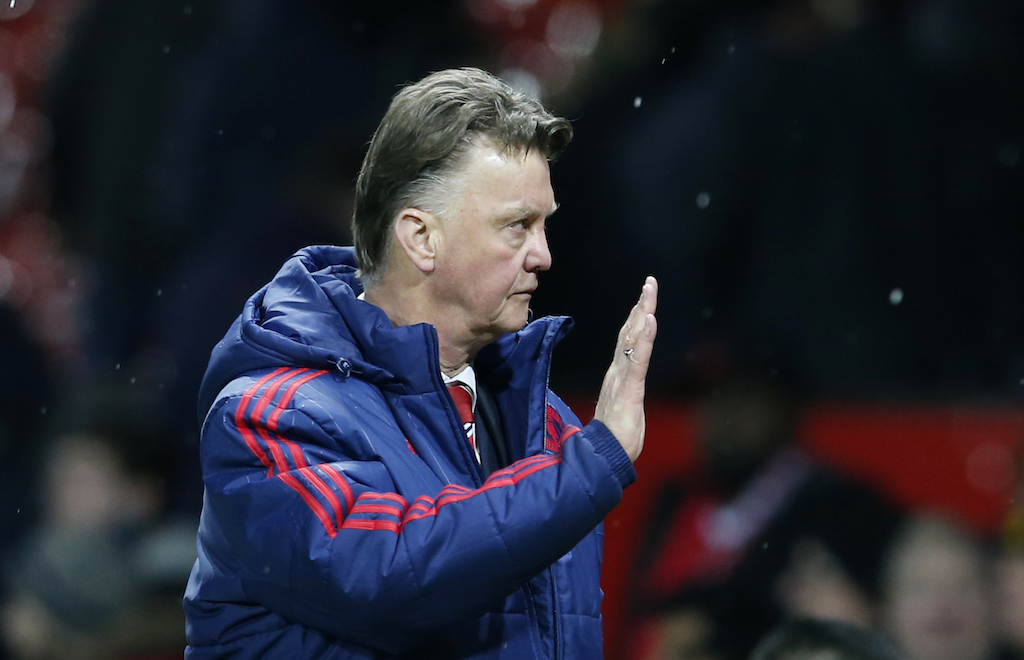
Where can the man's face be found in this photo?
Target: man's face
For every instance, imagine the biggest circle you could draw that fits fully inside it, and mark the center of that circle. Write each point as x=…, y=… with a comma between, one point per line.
x=493, y=245
x=938, y=602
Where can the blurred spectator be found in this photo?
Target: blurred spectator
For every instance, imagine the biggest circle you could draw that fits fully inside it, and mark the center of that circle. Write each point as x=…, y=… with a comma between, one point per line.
x=938, y=590
x=816, y=639
x=1010, y=574
x=1010, y=601
x=101, y=576
x=765, y=533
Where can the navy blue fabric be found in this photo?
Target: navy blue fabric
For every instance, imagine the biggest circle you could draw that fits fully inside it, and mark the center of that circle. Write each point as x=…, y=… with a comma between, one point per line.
x=344, y=515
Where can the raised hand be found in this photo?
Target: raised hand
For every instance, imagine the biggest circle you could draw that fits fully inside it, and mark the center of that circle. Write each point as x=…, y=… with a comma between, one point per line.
x=620, y=406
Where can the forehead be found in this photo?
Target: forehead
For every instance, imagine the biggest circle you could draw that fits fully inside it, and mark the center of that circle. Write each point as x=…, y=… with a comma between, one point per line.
x=936, y=558
x=498, y=183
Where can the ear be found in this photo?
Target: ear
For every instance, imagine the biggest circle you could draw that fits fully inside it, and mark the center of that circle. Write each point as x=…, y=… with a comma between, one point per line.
x=416, y=234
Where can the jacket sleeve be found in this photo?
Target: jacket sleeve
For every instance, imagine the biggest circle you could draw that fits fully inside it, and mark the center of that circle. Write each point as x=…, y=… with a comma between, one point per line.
x=325, y=540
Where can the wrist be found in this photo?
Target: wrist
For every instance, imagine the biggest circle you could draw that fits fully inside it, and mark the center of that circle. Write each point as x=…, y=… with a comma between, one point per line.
x=608, y=446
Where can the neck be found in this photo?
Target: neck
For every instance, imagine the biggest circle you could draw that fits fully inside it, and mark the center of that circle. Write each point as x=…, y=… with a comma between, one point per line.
x=409, y=305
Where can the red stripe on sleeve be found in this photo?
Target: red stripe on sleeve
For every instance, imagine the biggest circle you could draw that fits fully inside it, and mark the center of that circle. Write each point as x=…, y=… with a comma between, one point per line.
x=453, y=488
x=317, y=508
x=334, y=473
x=257, y=415
x=296, y=451
x=274, y=441
x=424, y=506
x=490, y=484
x=493, y=483
x=423, y=502
x=324, y=490
x=280, y=461
x=395, y=497
x=362, y=507
x=371, y=525
x=243, y=429
x=567, y=433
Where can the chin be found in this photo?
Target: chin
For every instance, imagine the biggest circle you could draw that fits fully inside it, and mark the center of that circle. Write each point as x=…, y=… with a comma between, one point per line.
x=506, y=328
x=513, y=322
x=511, y=318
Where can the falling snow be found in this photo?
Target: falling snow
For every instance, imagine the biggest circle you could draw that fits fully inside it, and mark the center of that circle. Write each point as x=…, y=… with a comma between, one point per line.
x=896, y=296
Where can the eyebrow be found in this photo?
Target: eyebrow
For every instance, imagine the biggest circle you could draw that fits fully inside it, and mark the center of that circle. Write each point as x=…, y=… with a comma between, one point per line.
x=532, y=211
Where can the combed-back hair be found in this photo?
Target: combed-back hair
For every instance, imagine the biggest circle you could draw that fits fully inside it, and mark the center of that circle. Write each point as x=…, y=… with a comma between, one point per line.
x=815, y=639
x=422, y=141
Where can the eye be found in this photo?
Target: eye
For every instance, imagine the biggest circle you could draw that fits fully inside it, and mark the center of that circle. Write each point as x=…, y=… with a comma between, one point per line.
x=519, y=224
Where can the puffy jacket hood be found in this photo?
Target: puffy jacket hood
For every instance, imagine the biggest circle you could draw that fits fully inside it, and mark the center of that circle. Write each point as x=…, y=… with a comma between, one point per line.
x=309, y=315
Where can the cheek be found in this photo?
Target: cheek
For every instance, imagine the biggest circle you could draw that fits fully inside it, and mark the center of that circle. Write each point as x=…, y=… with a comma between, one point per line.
x=497, y=276
x=497, y=288
x=477, y=288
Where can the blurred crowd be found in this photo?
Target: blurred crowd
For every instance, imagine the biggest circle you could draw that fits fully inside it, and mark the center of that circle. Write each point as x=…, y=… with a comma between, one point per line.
x=763, y=533
x=833, y=188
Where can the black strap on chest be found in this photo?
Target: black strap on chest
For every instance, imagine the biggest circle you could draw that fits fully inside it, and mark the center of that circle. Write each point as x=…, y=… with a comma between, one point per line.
x=490, y=431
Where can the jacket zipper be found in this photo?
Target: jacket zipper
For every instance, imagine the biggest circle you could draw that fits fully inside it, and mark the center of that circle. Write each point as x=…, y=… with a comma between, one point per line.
x=453, y=414
x=551, y=572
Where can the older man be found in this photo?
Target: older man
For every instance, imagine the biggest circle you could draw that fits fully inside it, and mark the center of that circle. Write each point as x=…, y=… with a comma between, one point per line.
x=387, y=474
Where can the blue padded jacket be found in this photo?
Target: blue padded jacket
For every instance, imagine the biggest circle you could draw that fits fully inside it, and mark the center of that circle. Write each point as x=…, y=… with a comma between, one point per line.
x=344, y=515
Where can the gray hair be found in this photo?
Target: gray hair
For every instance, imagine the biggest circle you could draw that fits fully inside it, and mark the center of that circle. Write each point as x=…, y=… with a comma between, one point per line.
x=422, y=141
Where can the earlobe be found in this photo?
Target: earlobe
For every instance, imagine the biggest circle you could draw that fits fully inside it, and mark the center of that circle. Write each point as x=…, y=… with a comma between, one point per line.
x=415, y=233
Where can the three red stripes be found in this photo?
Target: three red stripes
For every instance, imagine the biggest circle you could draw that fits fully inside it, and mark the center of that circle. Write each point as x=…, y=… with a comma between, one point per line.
x=423, y=506
x=282, y=376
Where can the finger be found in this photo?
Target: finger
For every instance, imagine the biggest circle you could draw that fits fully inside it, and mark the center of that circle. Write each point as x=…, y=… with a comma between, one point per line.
x=639, y=355
x=648, y=327
x=629, y=332
x=649, y=295
x=634, y=321
x=640, y=358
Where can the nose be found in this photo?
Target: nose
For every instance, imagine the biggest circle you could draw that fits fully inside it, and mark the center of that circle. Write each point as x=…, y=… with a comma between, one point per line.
x=539, y=256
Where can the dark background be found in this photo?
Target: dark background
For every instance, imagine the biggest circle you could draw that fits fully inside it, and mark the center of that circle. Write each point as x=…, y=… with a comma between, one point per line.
x=832, y=188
